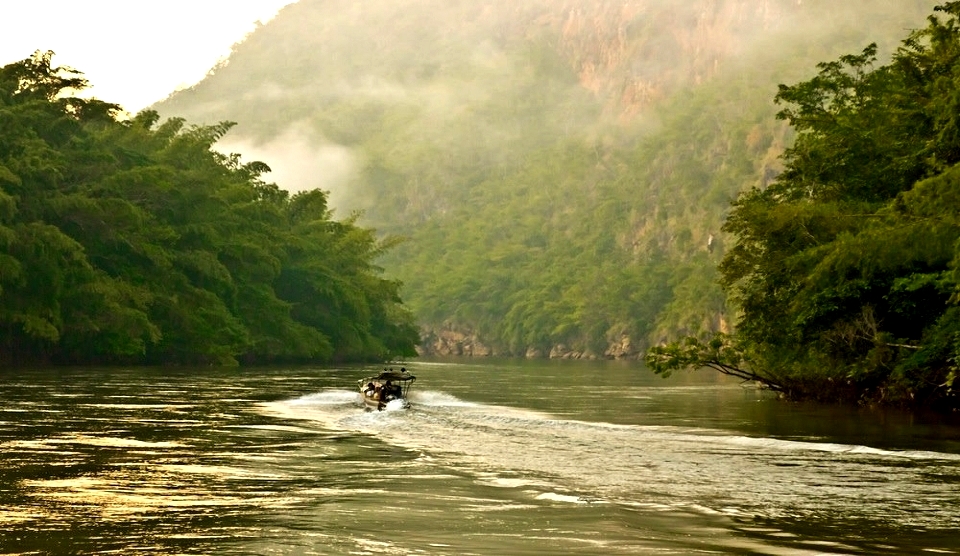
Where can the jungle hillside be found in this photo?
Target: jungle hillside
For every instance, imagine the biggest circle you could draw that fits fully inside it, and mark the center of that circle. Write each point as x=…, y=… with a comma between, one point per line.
x=559, y=170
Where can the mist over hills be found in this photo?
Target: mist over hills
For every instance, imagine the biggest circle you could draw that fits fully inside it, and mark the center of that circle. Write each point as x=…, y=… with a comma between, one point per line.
x=560, y=169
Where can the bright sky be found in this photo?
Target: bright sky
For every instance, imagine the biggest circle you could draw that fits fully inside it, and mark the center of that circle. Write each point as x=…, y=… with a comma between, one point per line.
x=133, y=52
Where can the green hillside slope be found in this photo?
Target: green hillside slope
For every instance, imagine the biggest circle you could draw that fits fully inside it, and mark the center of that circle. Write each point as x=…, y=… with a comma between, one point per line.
x=560, y=169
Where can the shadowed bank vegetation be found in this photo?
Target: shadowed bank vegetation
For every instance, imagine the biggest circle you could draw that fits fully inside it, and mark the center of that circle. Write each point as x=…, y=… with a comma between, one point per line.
x=845, y=267
x=132, y=242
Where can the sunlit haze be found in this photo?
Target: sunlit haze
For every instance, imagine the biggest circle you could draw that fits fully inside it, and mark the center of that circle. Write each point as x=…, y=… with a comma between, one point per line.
x=133, y=53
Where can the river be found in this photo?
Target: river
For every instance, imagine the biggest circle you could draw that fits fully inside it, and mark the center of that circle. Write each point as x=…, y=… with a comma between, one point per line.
x=493, y=457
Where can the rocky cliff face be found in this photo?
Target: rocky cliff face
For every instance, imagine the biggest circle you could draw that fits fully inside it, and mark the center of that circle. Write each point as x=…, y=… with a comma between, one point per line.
x=635, y=53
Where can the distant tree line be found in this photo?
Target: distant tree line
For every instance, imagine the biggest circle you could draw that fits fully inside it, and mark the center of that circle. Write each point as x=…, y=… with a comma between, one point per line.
x=132, y=241
x=846, y=269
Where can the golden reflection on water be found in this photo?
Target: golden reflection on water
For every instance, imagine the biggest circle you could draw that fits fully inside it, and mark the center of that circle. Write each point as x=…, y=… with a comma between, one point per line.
x=13, y=516
x=139, y=498
x=180, y=469
x=88, y=440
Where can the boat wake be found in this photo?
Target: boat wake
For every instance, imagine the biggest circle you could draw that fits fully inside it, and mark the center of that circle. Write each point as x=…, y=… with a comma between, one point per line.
x=659, y=467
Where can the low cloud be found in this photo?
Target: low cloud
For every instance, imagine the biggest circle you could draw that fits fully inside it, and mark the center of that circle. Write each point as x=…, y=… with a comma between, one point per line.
x=300, y=162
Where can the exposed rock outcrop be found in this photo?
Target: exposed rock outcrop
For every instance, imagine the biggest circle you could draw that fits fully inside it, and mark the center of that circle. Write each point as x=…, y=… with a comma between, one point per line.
x=453, y=341
x=449, y=341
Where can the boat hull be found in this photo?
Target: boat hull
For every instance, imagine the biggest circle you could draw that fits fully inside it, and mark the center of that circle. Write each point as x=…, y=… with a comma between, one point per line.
x=386, y=390
x=371, y=402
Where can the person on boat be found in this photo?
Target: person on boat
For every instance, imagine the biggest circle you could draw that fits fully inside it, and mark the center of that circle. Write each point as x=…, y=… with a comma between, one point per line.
x=368, y=389
x=387, y=391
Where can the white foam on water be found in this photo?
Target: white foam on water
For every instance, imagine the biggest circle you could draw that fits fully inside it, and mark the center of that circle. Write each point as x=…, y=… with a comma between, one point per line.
x=566, y=498
x=396, y=405
x=327, y=397
x=438, y=399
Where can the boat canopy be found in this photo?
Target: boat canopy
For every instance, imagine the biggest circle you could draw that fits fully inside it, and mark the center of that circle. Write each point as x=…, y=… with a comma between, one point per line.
x=395, y=376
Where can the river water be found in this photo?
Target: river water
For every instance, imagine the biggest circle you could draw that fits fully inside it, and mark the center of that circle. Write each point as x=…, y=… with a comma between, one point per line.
x=493, y=457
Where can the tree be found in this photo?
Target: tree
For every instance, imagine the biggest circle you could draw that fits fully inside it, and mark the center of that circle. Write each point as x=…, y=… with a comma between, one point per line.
x=128, y=241
x=844, y=268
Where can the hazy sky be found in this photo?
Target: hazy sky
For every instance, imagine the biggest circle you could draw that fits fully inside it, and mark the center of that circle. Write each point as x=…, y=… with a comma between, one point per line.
x=133, y=52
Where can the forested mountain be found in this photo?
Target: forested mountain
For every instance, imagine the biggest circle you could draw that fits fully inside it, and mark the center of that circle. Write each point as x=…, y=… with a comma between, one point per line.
x=560, y=169
x=124, y=241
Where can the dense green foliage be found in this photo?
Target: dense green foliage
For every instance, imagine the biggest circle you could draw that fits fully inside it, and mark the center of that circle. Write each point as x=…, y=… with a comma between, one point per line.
x=846, y=267
x=124, y=241
x=558, y=167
